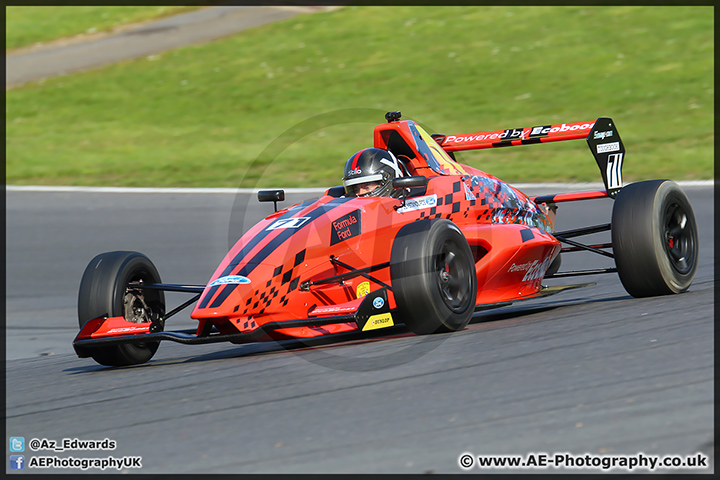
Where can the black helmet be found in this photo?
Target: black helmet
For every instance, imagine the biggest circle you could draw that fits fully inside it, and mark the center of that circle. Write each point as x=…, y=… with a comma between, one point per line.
x=372, y=165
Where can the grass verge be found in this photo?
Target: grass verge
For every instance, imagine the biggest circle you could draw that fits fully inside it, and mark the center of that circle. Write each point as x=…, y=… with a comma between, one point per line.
x=203, y=115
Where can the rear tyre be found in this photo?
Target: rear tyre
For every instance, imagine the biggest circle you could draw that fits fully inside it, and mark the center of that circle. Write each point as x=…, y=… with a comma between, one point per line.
x=104, y=291
x=655, y=239
x=554, y=266
x=433, y=277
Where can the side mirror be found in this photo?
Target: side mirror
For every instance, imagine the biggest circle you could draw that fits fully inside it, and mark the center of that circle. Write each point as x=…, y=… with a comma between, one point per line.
x=405, y=183
x=271, y=196
x=410, y=182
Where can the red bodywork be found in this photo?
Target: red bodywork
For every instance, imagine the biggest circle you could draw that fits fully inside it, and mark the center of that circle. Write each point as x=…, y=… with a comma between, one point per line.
x=269, y=275
x=507, y=232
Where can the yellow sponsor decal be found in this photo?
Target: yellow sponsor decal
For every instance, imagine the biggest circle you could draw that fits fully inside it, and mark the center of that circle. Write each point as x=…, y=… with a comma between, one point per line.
x=440, y=155
x=363, y=289
x=379, y=321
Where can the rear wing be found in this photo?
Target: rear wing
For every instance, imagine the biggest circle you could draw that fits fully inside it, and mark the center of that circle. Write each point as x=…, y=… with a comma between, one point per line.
x=601, y=135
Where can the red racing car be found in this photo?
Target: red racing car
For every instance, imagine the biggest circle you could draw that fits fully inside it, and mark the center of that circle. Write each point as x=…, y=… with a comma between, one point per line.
x=433, y=242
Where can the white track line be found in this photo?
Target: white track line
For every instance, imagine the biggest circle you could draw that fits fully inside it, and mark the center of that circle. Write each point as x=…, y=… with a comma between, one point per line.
x=564, y=187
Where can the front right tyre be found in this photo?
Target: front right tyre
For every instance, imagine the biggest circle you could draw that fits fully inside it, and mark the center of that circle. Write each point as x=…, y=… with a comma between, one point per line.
x=105, y=290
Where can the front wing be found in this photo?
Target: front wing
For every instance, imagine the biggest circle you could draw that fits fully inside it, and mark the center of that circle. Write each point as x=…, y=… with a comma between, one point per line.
x=370, y=313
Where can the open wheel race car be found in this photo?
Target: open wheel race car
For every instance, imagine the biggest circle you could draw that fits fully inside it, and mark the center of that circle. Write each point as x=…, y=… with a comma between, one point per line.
x=452, y=241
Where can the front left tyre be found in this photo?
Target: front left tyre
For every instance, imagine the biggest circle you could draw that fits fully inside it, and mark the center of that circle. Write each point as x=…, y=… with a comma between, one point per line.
x=105, y=289
x=434, y=282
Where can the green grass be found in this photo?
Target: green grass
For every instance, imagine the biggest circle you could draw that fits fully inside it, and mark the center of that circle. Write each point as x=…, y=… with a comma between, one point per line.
x=28, y=25
x=203, y=115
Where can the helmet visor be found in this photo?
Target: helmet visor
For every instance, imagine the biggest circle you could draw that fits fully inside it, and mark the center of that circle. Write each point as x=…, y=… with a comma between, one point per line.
x=362, y=189
x=354, y=184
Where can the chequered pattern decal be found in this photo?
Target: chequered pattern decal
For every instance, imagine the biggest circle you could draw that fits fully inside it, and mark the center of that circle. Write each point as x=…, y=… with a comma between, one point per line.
x=285, y=279
x=457, y=200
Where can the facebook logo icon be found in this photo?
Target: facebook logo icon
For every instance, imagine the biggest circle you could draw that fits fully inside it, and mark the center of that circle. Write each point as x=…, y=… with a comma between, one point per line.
x=17, y=462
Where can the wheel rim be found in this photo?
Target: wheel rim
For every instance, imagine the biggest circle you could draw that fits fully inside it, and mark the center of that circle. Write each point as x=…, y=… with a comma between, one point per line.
x=679, y=238
x=453, y=277
x=141, y=305
x=135, y=307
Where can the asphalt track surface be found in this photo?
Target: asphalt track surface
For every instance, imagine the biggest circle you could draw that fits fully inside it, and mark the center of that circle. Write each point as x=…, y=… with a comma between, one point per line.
x=591, y=370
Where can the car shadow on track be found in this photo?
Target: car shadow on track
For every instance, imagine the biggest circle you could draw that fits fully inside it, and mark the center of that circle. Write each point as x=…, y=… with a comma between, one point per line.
x=298, y=345
x=344, y=339
x=516, y=311
x=265, y=348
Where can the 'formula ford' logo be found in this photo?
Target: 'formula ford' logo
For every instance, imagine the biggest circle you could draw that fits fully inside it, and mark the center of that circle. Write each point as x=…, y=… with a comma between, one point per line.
x=345, y=227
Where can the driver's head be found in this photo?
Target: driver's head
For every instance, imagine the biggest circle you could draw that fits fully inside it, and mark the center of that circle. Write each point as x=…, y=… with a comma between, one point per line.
x=369, y=173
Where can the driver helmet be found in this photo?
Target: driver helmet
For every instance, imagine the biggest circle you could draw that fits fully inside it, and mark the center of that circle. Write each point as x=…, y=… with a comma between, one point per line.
x=369, y=173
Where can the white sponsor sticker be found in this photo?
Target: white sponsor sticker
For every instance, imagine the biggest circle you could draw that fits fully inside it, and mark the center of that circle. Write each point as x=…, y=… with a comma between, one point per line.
x=236, y=279
x=419, y=203
x=608, y=147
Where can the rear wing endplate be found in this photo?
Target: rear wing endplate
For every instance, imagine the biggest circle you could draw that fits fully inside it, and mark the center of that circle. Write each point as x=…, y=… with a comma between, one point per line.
x=609, y=152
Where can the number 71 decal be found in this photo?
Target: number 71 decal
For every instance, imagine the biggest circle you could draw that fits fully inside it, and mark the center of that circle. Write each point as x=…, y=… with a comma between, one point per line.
x=614, y=171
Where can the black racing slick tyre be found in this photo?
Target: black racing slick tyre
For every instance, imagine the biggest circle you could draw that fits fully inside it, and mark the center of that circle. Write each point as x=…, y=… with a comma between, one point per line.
x=655, y=239
x=432, y=270
x=554, y=266
x=104, y=291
